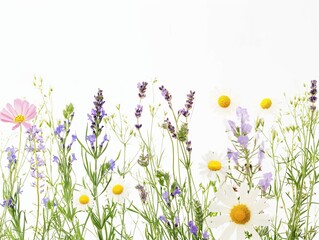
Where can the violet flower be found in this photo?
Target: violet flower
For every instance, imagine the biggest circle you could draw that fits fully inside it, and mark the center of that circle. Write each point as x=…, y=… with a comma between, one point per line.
x=265, y=182
x=192, y=228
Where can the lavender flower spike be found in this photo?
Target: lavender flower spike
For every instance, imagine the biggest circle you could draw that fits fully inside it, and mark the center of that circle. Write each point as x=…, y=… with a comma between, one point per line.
x=142, y=89
x=313, y=93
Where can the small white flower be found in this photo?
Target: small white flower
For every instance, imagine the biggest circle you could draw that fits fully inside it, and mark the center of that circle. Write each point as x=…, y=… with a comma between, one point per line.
x=239, y=215
x=267, y=106
x=82, y=199
x=213, y=167
x=118, y=189
x=224, y=102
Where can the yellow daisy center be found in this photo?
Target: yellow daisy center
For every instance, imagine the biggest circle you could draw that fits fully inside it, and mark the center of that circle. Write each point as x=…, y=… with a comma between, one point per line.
x=117, y=189
x=84, y=199
x=240, y=214
x=19, y=119
x=224, y=101
x=214, y=165
x=266, y=103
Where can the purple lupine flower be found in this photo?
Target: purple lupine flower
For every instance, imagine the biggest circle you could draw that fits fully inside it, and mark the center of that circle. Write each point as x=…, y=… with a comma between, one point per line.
x=166, y=197
x=189, y=146
x=142, y=89
x=59, y=129
x=190, y=100
x=245, y=128
x=176, y=191
x=313, y=93
x=111, y=165
x=91, y=138
x=45, y=200
x=243, y=141
x=168, y=125
x=265, y=182
x=205, y=235
x=11, y=155
x=138, y=111
x=233, y=127
x=8, y=203
x=142, y=192
x=242, y=114
x=164, y=220
x=167, y=95
x=73, y=157
x=192, y=228
x=176, y=221
x=233, y=155
x=105, y=139
x=97, y=113
x=55, y=159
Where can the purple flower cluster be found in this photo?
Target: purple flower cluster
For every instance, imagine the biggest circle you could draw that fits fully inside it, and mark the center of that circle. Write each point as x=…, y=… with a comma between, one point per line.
x=264, y=183
x=192, y=228
x=167, y=95
x=313, y=93
x=243, y=129
x=142, y=192
x=97, y=114
x=168, y=125
x=142, y=89
x=188, y=105
x=11, y=155
x=139, y=108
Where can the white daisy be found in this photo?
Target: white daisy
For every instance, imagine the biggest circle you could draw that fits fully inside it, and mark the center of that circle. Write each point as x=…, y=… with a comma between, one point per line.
x=224, y=102
x=213, y=167
x=267, y=106
x=239, y=215
x=83, y=199
x=118, y=189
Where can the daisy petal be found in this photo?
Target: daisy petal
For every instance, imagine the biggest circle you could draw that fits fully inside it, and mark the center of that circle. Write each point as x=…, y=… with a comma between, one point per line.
x=217, y=221
x=229, y=230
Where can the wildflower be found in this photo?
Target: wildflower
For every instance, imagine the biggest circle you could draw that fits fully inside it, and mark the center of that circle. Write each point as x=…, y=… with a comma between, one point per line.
x=138, y=114
x=240, y=214
x=142, y=192
x=261, y=153
x=268, y=106
x=176, y=221
x=142, y=89
x=265, y=182
x=313, y=93
x=176, y=191
x=192, y=228
x=165, y=196
x=83, y=199
x=205, y=235
x=97, y=113
x=8, y=203
x=213, y=167
x=20, y=113
x=243, y=141
x=189, y=146
x=11, y=155
x=233, y=156
x=118, y=190
x=224, y=101
x=188, y=105
x=167, y=95
x=168, y=125
x=111, y=165
x=164, y=220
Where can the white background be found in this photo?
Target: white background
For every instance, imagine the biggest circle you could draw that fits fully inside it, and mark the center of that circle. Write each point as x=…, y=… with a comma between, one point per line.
x=254, y=48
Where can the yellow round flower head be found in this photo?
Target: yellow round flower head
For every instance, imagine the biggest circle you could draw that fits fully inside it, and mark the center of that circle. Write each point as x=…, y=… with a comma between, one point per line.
x=117, y=189
x=224, y=101
x=214, y=165
x=240, y=214
x=266, y=103
x=84, y=199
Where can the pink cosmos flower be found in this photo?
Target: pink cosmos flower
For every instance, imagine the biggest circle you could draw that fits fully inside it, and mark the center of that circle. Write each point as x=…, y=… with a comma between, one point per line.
x=18, y=114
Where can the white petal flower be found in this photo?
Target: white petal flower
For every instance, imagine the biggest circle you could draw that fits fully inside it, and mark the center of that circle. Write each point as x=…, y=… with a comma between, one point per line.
x=83, y=199
x=239, y=215
x=224, y=102
x=118, y=189
x=213, y=167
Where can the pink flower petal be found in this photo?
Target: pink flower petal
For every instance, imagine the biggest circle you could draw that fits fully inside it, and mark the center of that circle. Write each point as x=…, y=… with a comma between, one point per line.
x=18, y=106
x=26, y=125
x=6, y=116
x=15, y=126
x=11, y=110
